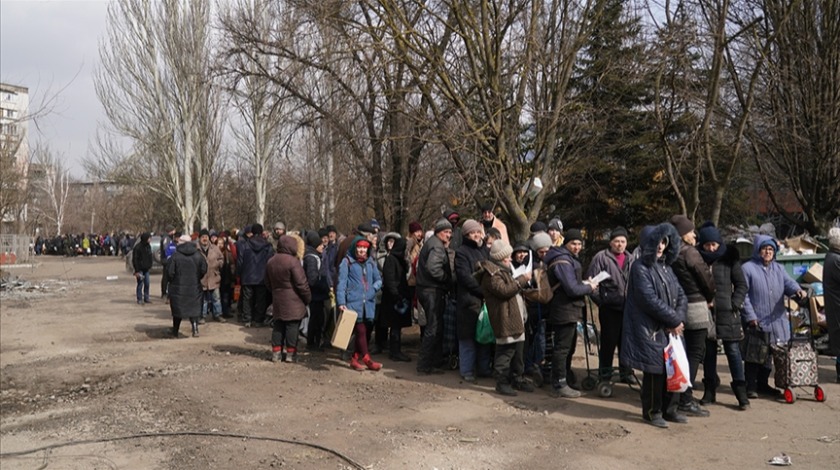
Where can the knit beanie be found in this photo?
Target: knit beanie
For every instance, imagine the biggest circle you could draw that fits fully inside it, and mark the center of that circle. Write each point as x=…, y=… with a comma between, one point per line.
x=541, y=240
x=500, y=250
x=834, y=238
x=279, y=226
x=313, y=239
x=539, y=227
x=682, y=224
x=571, y=235
x=441, y=225
x=257, y=229
x=709, y=234
x=415, y=227
x=203, y=232
x=618, y=232
x=555, y=224
x=471, y=226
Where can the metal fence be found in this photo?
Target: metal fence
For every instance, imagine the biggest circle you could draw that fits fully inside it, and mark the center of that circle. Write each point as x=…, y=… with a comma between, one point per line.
x=15, y=249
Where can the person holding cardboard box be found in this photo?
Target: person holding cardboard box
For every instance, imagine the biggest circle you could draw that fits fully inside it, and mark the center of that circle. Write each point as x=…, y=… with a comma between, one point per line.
x=358, y=283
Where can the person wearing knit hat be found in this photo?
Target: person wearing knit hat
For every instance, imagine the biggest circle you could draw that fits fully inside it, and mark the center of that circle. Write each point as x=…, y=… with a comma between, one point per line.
x=566, y=309
x=610, y=298
x=365, y=229
x=538, y=227
x=696, y=279
x=506, y=311
x=212, y=280
x=831, y=281
x=414, y=226
x=474, y=358
x=279, y=231
x=555, y=231
x=457, y=234
x=541, y=241
x=257, y=229
x=434, y=280
x=683, y=224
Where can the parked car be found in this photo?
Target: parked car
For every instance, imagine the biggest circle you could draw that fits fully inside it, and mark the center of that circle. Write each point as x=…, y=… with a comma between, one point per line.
x=157, y=263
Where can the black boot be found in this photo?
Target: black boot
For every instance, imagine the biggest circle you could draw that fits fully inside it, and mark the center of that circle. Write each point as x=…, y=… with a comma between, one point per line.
x=194, y=328
x=751, y=374
x=763, y=384
x=709, y=389
x=395, y=347
x=739, y=388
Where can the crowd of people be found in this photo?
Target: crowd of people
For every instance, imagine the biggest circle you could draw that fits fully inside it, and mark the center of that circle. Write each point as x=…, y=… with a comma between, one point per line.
x=678, y=281
x=106, y=244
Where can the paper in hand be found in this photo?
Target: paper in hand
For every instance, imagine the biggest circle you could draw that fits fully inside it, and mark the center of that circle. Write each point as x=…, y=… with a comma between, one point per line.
x=600, y=277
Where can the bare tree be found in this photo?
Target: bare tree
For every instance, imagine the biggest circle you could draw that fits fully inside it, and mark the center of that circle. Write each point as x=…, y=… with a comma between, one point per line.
x=157, y=89
x=51, y=182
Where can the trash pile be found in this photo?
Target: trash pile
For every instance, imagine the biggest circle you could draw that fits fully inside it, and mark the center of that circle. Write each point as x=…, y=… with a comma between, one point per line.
x=17, y=288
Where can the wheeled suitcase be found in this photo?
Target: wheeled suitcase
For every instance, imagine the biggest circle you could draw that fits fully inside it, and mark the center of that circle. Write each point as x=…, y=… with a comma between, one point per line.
x=344, y=329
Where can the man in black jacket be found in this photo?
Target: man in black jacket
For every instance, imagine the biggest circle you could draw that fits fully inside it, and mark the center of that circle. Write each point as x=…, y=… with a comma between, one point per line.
x=141, y=257
x=434, y=278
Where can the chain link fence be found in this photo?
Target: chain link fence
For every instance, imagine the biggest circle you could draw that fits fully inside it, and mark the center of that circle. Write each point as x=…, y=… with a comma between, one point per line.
x=15, y=249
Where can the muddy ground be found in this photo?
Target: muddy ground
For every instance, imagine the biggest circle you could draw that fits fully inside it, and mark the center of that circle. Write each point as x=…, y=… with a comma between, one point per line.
x=81, y=361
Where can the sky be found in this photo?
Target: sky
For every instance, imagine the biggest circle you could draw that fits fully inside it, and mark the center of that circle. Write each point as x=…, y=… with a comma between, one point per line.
x=48, y=46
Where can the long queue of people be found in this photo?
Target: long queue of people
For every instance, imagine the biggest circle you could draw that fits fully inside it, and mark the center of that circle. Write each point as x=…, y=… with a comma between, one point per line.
x=678, y=281
x=92, y=244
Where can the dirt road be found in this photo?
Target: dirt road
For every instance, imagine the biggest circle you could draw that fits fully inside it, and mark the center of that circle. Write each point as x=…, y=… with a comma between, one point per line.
x=81, y=361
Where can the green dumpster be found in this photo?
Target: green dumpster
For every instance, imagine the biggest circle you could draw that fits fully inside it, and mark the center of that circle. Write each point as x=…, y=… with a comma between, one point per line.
x=797, y=265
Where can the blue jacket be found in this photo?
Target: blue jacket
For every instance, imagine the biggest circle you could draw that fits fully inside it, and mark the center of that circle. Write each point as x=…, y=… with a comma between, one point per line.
x=358, y=284
x=767, y=287
x=655, y=301
x=567, y=303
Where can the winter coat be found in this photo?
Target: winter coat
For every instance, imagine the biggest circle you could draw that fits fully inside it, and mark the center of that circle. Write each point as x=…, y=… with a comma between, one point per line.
x=252, y=257
x=358, y=284
x=695, y=275
x=227, y=273
x=767, y=287
x=470, y=294
x=141, y=256
x=831, y=284
x=611, y=292
x=285, y=279
x=501, y=294
x=730, y=290
x=568, y=301
x=213, y=255
x=655, y=301
x=412, y=249
x=434, y=269
x=185, y=268
x=317, y=274
x=395, y=287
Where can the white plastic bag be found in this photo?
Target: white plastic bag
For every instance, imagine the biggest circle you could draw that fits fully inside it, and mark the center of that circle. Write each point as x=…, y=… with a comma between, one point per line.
x=676, y=365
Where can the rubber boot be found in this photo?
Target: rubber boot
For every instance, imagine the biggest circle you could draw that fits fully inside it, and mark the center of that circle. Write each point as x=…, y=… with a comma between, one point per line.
x=370, y=363
x=709, y=391
x=739, y=388
x=354, y=362
x=276, y=353
x=290, y=355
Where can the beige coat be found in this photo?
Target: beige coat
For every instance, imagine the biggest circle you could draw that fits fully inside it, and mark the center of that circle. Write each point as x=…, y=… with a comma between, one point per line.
x=215, y=260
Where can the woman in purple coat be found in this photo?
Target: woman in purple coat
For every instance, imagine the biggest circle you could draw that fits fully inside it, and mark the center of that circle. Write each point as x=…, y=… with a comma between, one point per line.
x=767, y=284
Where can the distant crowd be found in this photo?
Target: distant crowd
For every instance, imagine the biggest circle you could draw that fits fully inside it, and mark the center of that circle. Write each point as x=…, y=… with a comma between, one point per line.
x=108, y=244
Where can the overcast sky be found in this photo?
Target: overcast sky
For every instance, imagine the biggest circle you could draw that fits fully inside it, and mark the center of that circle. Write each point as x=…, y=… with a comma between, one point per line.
x=43, y=45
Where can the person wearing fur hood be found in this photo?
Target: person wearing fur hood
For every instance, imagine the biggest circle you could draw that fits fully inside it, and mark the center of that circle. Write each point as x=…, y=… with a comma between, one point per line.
x=507, y=313
x=655, y=307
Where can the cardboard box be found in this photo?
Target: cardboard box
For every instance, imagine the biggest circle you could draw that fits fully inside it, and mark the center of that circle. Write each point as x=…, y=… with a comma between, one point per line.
x=344, y=329
x=802, y=244
x=814, y=319
x=819, y=300
x=813, y=274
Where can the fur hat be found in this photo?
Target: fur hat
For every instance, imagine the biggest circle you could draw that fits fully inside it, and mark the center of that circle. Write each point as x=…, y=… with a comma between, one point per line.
x=571, y=235
x=500, y=250
x=682, y=224
x=471, y=226
x=834, y=238
x=618, y=232
x=415, y=227
x=441, y=225
x=555, y=224
x=541, y=240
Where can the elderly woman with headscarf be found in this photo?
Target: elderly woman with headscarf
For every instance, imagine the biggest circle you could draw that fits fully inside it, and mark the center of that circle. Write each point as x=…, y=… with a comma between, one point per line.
x=764, y=308
x=185, y=269
x=289, y=288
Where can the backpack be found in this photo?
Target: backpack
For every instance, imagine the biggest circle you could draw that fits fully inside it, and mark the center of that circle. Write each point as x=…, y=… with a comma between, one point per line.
x=543, y=292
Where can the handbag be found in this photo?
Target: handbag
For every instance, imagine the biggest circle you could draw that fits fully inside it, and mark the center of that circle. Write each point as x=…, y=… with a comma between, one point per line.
x=676, y=365
x=755, y=347
x=483, y=330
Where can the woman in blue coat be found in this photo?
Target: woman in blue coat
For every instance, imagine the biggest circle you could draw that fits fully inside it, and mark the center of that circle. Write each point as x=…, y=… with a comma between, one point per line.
x=358, y=283
x=655, y=307
x=764, y=308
